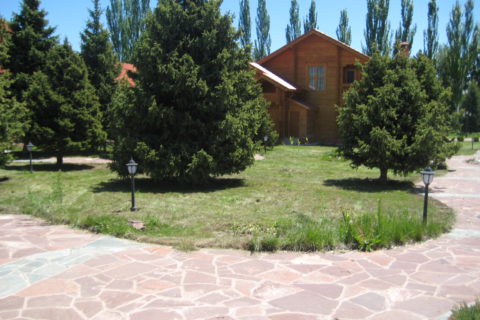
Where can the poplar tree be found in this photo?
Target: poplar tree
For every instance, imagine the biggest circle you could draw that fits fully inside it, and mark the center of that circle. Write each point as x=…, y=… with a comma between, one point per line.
x=457, y=63
x=263, y=42
x=98, y=55
x=377, y=30
x=293, y=30
x=197, y=111
x=244, y=25
x=405, y=32
x=310, y=22
x=344, y=31
x=126, y=22
x=471, y=108
x=430, y=36
x=30, y=42
x=63, y=105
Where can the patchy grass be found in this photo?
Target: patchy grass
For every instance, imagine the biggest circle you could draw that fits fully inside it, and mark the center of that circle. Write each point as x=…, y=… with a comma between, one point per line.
x=468, y=148
x=298, y=198
x=464, y=312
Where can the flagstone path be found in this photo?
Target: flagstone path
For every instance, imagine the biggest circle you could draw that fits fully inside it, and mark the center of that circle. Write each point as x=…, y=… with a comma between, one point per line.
x=53, y=272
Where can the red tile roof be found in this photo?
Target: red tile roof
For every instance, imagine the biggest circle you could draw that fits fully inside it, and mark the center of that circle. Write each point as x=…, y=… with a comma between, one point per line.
x=127, y=67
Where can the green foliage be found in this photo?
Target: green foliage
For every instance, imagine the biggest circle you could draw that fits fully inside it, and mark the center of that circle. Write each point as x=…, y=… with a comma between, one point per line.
x=465, y=312
x=365, y=231
x=310, y=21
x=457, y=60
x=196, y=111
x=12, y=113
x=126, y=22
x=406, y=32
x=430, y=36
x=63, y=105
x=263, y=42
x=396, y=117
x=471, y=109
x=293, y=30
x=97, y=52
x=244, y=25
x=344, y=31
x=377, y=29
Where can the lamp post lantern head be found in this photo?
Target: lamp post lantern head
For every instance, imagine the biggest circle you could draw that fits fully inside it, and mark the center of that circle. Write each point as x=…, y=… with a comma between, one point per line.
x=265, y=139
x=132, y=167
x=29, y=146
x=427, y=175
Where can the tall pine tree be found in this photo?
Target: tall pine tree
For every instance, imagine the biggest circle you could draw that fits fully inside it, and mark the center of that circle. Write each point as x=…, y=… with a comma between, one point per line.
x=126, y=22
x=310, y=22
x=293, y=30
x=377, y=30
x=11, y=112
x=196, y=111
x=430, y=36
x=97, y=52
x=406, y=32
x=244, y=25
x=64, y=108
x=344, y=31
x=263, y=42
x=31, y=40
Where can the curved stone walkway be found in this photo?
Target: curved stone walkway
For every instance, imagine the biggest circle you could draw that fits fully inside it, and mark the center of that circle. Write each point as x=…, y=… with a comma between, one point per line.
x=53, y=272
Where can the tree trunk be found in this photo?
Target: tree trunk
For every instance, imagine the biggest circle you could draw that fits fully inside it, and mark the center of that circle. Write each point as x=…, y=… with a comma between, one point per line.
x=59, y=161
x=383, y=175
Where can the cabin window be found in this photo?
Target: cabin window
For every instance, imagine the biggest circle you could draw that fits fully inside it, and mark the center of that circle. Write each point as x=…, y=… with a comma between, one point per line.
x=316, y=78
x=349, y=75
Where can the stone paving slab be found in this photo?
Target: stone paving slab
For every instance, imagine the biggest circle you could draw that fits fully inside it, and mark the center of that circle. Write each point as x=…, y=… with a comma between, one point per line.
x=53, y=272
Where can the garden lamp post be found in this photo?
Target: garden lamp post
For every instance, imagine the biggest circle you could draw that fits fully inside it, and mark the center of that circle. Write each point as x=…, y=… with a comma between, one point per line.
x=29, y=147
x=132, y=169
x=265, y=140
x=427, y=176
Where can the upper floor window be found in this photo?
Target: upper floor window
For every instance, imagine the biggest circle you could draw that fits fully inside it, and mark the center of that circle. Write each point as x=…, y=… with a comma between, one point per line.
x=349, y=75
x=316, y=77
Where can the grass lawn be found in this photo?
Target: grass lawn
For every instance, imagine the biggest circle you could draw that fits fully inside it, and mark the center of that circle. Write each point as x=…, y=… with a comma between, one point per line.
x=298, y=198
x=467, y=148
x=465, y=312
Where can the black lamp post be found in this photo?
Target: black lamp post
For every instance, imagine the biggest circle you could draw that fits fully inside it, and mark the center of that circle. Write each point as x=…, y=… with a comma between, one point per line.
x=265, y=140
x=29, y=147
x=132, y=169
x=427, y=176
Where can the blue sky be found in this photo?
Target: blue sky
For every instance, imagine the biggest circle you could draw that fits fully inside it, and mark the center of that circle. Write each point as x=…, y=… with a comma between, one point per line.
x=69, y=17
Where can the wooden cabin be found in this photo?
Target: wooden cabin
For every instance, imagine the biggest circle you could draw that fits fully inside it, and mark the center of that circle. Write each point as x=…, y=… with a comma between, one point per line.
x=303, y=81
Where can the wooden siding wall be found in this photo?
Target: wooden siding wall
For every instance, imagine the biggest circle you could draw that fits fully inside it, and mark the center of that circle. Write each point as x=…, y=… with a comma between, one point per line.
x=292, y=65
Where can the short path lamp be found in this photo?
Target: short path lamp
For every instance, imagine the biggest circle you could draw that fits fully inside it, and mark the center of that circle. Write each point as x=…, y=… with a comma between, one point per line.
x=427, y=176
x=29, y=147
x=265, y=140
x=132, y=169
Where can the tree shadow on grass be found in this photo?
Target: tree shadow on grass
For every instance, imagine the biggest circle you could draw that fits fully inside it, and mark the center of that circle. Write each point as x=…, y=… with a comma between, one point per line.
x=52, y=167
x=146, y=185
x=370, y=185
x=4, y=179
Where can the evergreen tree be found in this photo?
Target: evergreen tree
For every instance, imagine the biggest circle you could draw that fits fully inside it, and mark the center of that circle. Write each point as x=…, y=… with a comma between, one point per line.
x=63, y=105
x=396, y=117
x=126, y=22
x=310, y=22
x=457, y=64
x=293, y=30
x=377, y=30
x=344, y=31
x=31, y=40
x=406, y=32
x=430, y=36
x=196, y=110
x=244, y=25
x=97, y=52
x=471, y=108
x=11, y=112
x=263, y=42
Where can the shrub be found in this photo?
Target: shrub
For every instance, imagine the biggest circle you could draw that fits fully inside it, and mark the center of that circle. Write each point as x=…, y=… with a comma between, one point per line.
x=460, y=138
